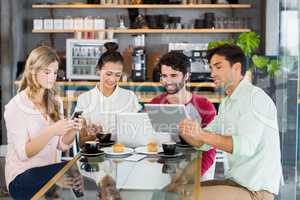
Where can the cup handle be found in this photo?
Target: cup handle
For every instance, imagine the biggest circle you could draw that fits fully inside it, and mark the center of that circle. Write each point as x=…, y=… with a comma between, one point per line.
x=83, y=166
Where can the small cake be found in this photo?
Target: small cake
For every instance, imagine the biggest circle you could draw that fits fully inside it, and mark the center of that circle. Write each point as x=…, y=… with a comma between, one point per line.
x=152, y=147
x=118, y=148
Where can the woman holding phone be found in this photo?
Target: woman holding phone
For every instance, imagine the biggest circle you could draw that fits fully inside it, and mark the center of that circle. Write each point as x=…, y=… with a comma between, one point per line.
x=36, y=127
x=107, y=97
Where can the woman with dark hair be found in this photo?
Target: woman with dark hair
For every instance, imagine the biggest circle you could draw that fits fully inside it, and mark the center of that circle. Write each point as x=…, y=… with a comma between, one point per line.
x=107, y=97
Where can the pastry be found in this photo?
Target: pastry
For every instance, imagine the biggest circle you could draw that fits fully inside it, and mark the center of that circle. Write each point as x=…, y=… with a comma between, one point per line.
x=152, y=147
x=118, y=148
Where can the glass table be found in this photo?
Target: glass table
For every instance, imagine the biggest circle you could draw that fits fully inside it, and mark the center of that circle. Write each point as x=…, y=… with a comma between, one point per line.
x=116, y=177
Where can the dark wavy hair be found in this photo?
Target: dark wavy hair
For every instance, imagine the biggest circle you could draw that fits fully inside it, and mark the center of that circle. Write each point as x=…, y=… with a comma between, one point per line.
x=176, y=60
x=232, y=53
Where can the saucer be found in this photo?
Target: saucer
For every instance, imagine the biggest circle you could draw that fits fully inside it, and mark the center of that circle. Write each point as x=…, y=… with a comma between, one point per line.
x=107, y=144
x=176, y=155
x=180, y=145
x=144, y=150
x=109, y=151
x=84, y=153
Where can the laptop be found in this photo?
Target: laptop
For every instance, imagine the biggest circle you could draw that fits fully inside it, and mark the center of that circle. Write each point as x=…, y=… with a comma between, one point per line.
x=134, y=129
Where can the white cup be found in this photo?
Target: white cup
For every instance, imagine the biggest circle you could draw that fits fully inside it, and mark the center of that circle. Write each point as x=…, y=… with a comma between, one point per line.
x=110, y=35
x=58, y=24
x=78, y=35
x=99, y=23
x=48, y=24
x=38, y=24
x=68, y=23
x=100, y=35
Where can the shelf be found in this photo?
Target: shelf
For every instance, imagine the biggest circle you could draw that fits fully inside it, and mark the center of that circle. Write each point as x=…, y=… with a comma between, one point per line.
x=205, y=30
x=212, y=98
x=133, y=84
x=149, y=6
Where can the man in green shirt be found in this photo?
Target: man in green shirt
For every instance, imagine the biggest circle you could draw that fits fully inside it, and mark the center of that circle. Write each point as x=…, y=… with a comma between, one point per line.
x=246, y=128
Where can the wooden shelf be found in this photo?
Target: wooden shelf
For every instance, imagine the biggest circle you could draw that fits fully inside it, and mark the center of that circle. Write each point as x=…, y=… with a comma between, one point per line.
x=149, y=6
x=133, y=84
x=212, y=97
x=128, y=31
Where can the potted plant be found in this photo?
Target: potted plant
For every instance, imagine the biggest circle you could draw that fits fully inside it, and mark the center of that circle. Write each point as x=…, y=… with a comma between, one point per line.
x=249, y=42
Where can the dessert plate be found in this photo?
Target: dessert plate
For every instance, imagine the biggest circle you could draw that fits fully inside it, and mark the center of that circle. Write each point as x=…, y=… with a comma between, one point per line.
x=109, y=151
x=144, y=150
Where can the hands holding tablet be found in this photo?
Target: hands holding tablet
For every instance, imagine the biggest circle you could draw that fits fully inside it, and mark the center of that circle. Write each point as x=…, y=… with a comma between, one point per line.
x=191, y=132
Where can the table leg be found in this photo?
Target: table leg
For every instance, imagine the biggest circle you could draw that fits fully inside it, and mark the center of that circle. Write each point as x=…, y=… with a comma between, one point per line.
x=197, y=183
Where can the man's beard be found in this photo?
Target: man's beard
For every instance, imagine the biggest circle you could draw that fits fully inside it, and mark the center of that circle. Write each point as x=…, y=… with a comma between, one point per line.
x=177, y=87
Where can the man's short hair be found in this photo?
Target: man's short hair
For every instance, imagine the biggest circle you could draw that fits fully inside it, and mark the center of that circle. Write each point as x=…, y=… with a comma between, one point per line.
x=176, y=60
x=232, y=53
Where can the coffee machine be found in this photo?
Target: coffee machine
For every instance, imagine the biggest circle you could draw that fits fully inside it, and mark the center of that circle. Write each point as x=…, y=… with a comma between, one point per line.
x=139, y=72
x=200, y=71
x=139, y=64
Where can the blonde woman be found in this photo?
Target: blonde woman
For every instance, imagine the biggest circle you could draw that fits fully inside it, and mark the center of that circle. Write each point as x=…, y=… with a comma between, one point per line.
x=36, y=127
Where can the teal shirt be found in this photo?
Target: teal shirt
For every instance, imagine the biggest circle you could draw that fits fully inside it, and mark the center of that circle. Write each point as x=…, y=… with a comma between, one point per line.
x=250, y=117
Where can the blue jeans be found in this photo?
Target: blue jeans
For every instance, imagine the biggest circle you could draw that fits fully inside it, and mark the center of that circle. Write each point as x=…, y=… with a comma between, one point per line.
x=25, y=185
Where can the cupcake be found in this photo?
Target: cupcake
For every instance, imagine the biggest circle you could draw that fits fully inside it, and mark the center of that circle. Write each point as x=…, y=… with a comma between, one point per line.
x=152, y=147
x=118, y=148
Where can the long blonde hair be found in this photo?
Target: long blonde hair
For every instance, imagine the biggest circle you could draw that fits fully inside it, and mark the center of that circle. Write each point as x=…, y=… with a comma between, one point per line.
x=39, y=58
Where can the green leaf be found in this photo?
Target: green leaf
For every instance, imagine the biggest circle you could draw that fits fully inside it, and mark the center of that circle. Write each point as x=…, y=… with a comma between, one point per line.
x=248, y=42
x=273, y=67
x=260, y=61
x=214, y=44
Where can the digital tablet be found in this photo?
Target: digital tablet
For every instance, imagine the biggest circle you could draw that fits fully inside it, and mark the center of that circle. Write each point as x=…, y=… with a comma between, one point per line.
x=166, y=117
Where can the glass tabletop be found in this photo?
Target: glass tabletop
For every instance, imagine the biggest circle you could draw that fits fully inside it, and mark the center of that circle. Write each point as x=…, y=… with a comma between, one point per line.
x=129, y=176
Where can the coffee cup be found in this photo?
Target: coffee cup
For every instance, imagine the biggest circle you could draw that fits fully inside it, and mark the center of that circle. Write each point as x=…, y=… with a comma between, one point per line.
x=169, y=148
x=103, y=137
x=182, y=141
x=91, y=146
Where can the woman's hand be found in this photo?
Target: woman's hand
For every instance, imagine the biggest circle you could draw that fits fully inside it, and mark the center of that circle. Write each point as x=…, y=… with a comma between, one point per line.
x=78, y=123
x=62, y=127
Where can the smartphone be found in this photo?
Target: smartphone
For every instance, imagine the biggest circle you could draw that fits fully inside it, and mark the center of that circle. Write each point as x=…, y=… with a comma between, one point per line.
x=77, y=114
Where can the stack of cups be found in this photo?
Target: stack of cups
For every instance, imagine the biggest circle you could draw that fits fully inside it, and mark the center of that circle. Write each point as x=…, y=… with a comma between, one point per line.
x=100, y=25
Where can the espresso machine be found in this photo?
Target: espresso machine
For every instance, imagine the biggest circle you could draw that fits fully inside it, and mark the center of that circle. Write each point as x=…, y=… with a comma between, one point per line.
x=139, y=72
x=139, y=64
x=200, y=71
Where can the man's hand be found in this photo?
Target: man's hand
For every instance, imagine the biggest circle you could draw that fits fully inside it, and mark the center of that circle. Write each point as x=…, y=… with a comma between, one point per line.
x=191, y=131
